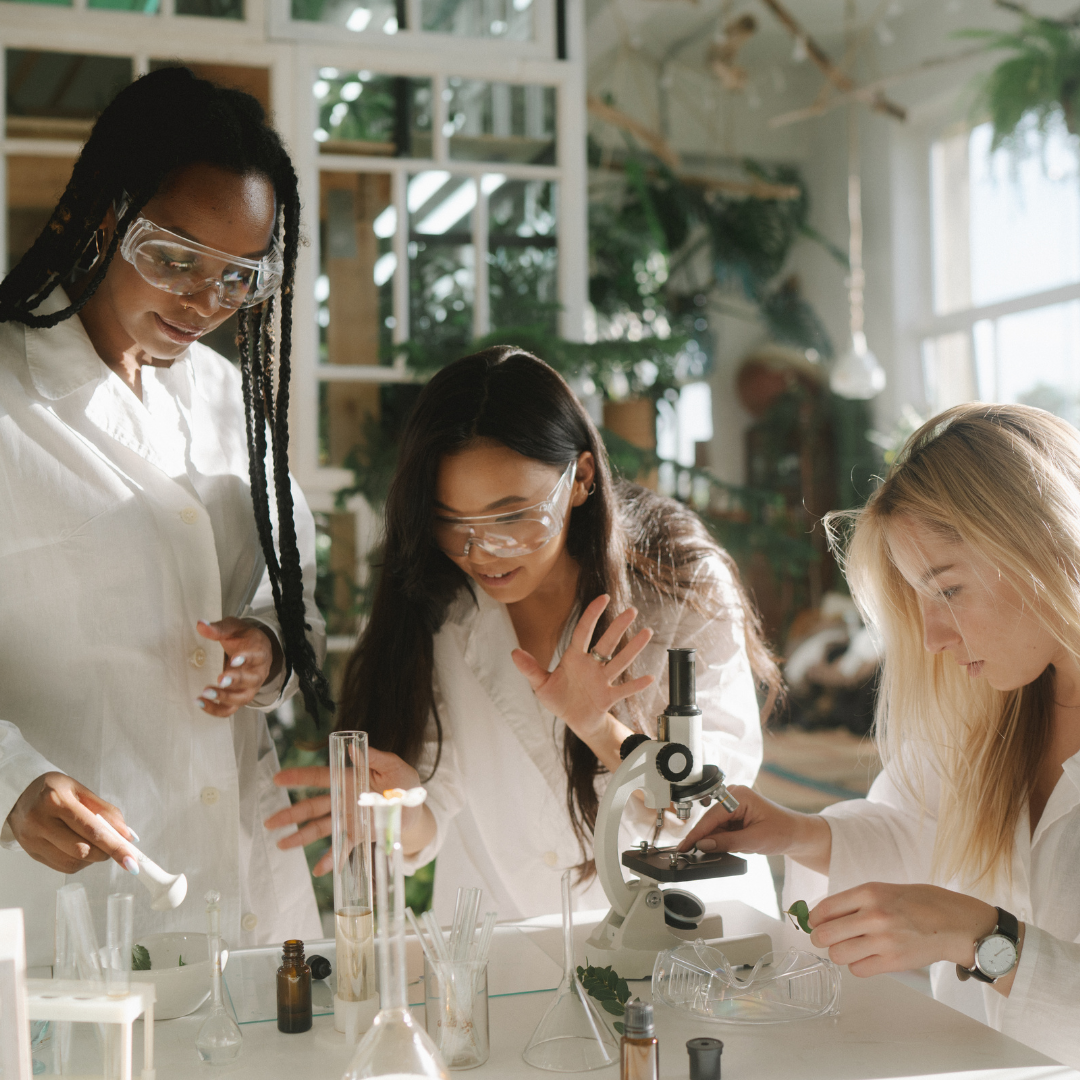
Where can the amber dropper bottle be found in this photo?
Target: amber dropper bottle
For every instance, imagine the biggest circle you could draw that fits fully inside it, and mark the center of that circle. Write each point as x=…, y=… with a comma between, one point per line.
x=639, y=1051
x=293, y=990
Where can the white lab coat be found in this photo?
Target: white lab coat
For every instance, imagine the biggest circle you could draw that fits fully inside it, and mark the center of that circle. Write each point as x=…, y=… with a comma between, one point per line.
x=499, y=792
x=886, y=837
x=121, y=523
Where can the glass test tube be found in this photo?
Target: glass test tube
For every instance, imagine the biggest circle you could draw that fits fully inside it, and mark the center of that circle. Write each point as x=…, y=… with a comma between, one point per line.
x=351, y=837
x=118, y=942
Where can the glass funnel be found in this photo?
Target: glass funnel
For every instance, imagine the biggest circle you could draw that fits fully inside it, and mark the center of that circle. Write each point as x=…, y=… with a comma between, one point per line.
x=354, y=929
x=571, y=1037
x=396, y=1046
x=219, y=1039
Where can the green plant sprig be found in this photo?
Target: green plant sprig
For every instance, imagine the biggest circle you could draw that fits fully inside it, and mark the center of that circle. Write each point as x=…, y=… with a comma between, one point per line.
x=140, y=958
x=799, y=914
x=608, y=988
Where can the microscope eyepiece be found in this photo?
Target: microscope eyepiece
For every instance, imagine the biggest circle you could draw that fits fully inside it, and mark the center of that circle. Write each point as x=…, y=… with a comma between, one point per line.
x=682, y=692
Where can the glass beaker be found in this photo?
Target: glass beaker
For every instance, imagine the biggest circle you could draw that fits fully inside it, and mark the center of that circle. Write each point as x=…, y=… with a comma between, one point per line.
x=219, y=1039
x=456, y=1011
x=396, y=1045
x=356, y=1000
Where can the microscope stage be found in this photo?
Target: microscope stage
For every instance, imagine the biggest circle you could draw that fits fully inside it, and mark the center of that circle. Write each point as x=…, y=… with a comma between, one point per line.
x=694, y=867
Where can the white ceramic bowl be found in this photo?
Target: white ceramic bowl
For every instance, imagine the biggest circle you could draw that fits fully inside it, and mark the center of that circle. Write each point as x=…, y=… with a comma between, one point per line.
x=180, y=990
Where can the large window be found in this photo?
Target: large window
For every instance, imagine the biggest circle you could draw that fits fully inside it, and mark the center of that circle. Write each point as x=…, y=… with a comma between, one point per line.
x=1006, y=272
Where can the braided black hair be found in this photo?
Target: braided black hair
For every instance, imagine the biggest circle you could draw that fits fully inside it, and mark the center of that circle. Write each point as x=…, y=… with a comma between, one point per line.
x=158, y=124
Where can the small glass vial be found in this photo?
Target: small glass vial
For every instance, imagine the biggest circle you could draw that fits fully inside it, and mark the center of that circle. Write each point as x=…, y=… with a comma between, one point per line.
x=293, y=990
x=639, y=1051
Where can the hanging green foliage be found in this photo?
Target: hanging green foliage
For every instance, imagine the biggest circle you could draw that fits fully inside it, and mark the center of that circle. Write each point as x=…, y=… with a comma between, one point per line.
x=1039, y=82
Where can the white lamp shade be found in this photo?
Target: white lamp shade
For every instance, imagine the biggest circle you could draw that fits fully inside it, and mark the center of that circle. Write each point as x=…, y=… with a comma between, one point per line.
x=857, y=374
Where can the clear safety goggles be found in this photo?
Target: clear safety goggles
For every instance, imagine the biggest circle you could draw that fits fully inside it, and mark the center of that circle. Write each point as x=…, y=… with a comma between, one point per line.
x=180, y=266
x=509, y=535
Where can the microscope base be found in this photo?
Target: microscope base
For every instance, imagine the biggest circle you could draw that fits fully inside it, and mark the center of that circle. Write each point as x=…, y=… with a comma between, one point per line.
x=630, y=943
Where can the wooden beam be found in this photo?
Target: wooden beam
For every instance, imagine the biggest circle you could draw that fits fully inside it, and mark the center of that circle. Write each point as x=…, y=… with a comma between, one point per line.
x=877, y=101
x=652, y=139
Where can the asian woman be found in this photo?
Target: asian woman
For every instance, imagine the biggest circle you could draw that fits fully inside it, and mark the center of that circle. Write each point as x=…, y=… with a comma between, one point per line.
x=524, y=606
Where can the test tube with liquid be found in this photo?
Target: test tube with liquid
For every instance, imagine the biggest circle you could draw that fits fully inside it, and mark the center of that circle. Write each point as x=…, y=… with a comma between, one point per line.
x=356, y=1001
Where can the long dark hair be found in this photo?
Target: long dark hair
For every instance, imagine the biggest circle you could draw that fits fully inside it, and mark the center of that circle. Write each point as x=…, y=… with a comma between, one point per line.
x=158, y=124
x=621, y=531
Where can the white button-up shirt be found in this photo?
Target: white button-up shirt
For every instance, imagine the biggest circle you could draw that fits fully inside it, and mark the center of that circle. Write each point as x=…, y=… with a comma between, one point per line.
x=122, y=523
x=886, y=837
x=499, y=793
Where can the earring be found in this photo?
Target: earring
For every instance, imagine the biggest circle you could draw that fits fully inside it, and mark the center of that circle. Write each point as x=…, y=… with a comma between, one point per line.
x=592, y=489
x=87, y=259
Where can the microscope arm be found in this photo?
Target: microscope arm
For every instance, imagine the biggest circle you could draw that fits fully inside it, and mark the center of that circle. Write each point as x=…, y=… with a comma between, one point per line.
x=629, y=776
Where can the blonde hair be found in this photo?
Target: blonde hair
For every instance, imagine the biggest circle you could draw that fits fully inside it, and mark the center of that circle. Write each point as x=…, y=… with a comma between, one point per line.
x=1006, y=480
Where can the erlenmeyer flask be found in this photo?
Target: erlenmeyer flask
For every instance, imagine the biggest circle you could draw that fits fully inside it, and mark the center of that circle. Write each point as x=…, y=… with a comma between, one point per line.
x=219, y=1039
x=396, y=1046
x=572, y=1037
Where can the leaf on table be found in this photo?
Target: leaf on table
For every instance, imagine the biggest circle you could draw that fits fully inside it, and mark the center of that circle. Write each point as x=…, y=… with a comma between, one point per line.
x=140, y=958
x=181, y=964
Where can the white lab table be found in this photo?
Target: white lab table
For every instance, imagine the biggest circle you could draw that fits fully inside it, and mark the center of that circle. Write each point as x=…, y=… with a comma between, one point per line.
x=885, y=1029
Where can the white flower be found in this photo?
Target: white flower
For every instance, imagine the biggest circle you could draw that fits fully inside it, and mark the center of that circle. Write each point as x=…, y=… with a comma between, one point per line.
x=394, y=797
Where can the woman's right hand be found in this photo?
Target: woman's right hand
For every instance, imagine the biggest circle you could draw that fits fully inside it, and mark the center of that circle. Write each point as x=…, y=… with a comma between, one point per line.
x=762, y=827
x=54, y=822
x=313, y=815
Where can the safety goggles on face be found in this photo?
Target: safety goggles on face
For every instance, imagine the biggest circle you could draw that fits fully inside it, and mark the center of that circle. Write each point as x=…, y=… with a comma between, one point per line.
x=180, y=266
x=513, y=533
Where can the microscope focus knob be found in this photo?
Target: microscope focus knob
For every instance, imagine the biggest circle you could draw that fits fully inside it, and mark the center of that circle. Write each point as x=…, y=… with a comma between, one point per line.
x=674, y=762
x=631, y=743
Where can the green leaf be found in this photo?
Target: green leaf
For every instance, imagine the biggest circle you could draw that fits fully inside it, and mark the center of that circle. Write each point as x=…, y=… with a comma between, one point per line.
x=620, y=1028
x=605, y=986
x=616, y=1008
x=140, y=958
x=800, y=915
x=181, y=964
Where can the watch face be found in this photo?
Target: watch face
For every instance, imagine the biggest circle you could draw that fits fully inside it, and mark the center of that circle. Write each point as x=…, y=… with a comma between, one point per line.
x=996, y=956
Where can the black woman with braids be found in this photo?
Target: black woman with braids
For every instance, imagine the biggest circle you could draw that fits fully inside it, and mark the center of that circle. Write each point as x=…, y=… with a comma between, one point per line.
x=156, y=561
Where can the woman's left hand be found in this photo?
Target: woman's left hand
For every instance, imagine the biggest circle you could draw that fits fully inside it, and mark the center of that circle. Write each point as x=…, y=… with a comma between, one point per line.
x=252, y=656
x=582, y=689
x=876, y=928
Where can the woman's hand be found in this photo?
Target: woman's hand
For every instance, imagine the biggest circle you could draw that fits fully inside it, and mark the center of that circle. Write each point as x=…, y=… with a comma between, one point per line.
x=582, y=689
x=252, y=657
x=313, y=814
x=876, y=928
x=762, y=827
x=54, y=823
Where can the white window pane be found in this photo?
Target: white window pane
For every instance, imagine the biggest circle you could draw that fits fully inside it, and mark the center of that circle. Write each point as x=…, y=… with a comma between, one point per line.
x=1025, y=217
x=1038, y=356
x=951, y=211
x=950, y=376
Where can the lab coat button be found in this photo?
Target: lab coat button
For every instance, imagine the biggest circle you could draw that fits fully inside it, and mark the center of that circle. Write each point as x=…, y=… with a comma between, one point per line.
x=189, y=515
x=210, y=795
x=249, y=921
x=550, y=858
x=198, y=657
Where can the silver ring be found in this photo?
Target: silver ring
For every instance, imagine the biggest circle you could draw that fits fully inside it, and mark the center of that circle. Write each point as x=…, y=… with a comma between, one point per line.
x=601, y=659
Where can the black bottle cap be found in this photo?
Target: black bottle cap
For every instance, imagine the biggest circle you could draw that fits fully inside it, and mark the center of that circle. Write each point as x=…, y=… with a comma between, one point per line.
x=682, y=691
x=320, y=967
x=704, y=1058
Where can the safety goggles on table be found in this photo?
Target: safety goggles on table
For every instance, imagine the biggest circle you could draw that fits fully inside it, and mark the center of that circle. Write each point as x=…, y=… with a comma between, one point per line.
x=513, y=533
x=183, y=267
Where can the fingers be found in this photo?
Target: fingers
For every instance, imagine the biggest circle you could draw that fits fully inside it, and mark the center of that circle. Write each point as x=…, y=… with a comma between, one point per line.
x=609, y=640
x=527, y=664
x=634, y=686
x=305, y=810
x=313, y=830
x=306, y=776
x=715, y=818
x=586, y=627
x=248, y=659
x=628, y=654
x=325, y=864
x=91, y=839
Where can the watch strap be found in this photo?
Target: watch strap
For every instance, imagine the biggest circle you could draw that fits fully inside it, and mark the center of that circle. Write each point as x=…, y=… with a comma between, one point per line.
x=1007, y=926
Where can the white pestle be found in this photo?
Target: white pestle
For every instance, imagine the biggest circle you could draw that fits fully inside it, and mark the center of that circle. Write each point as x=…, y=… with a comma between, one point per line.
x=168, y=890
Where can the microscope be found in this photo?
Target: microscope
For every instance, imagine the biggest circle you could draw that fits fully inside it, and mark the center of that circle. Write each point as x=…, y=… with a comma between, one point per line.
x=671, y=770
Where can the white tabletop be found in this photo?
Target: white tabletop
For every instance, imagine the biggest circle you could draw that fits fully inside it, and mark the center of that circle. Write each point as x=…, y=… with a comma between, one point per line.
x=885, y=1030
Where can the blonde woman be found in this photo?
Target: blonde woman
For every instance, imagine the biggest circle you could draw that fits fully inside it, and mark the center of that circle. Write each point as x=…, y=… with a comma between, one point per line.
x=966, y=853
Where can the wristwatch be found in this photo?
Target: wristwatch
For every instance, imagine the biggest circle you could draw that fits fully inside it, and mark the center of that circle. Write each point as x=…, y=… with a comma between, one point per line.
x=995, y=954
